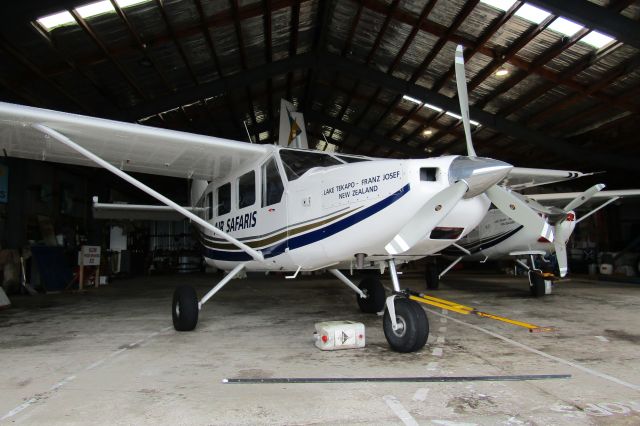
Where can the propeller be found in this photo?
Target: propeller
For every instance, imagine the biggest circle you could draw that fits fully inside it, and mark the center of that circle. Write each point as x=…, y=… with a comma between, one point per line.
x=510, y=204
x=427, y=218
x=560, y=244
x=556, y=218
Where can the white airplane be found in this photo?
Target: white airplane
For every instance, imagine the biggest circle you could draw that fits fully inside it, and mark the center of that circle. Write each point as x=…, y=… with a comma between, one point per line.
x=270, y=208
x=498, y=237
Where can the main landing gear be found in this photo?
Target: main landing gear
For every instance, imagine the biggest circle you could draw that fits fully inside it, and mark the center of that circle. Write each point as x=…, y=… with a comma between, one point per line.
x=405, y=323
x=185, y=307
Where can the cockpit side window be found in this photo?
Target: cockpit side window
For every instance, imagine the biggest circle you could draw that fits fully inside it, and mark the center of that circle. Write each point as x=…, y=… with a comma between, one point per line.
x=272, y=187
x=297, y=163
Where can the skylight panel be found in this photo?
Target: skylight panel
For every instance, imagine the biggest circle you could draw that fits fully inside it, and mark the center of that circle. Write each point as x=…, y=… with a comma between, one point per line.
x=565, y=26
x=94, y=9
x=596, y=39
x=499, y=4
x=127, y=3
x=56, y=20
x=532, y=13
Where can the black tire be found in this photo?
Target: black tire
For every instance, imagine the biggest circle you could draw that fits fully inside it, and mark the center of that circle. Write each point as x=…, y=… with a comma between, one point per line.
x=377, y=296
x=536, y=283
x=185, y=308
x=415, y=326
x=432, y=275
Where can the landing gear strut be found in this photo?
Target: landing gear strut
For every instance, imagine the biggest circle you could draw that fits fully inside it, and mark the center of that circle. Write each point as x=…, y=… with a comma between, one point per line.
x=185, y=308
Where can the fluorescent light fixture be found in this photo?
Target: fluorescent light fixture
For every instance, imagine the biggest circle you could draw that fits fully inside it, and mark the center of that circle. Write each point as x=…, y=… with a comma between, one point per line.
x=94, y=9
x=433, y=107
x=127, y=3
x=56, y=20
x=596, y=39
x=499, y=4
x=458, y=117
x=532, y=13
x=565, y=26
x=410, y=99
x=417, y=101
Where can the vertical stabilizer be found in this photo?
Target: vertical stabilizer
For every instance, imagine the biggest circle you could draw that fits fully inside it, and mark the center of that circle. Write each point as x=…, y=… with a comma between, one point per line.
x=293, y=133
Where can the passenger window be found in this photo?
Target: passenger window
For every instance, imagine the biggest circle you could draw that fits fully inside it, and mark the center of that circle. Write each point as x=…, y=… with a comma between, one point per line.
x=210, y=205
x=247, y=189
x=272, y=187
x=224, y=199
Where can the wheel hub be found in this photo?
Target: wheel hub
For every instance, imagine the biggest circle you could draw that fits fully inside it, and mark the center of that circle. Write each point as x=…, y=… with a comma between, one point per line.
x=177, y=309
x=401, y=328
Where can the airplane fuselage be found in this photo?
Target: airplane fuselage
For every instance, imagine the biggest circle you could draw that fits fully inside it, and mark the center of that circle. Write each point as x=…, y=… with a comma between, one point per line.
x=316, y=217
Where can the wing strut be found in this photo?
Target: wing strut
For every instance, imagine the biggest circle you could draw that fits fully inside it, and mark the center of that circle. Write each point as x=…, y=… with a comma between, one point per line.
x=256, y=255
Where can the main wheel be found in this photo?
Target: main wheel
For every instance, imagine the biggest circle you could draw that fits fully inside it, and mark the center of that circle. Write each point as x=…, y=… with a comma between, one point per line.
x=413, y=326
x=432, y=275
x=536, y=283
x=376, y=295
x=185, y=308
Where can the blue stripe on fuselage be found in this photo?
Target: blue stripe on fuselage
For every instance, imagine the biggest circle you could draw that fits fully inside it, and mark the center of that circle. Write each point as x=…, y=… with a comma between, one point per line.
x=311, y=237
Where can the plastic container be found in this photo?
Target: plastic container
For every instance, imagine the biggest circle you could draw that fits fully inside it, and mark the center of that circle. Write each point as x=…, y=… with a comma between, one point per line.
x=336, y=335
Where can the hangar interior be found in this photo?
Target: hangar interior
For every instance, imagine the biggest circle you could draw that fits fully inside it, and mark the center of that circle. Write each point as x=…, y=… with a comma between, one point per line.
x=552, y=84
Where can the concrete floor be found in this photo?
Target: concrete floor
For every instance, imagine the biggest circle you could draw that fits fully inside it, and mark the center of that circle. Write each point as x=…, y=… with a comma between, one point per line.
x=111, y=356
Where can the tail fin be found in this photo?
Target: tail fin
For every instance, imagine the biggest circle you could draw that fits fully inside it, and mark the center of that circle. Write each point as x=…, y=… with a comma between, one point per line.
x=293, y=133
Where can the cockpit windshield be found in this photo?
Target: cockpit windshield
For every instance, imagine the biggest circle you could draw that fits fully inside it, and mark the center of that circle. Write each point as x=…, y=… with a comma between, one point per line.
x=297, y=163
x=352, y=158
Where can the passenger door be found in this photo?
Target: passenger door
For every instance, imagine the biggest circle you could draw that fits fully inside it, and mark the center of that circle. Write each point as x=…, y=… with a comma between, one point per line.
x=273, y=208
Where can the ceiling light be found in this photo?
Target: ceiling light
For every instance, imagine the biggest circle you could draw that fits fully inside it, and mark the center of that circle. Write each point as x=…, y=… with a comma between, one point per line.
x=56, y=20
x=94, y=9
x=410, y=99
x=427, y=132
x=433, y=107
x=502, y=72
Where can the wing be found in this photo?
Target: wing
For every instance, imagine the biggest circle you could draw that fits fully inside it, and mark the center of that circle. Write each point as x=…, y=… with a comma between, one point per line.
x=561, y=198
x=523, y=177
x=130, y=147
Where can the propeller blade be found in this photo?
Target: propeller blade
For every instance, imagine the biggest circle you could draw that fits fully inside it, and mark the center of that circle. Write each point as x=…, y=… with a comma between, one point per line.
x=584, y=197
x=561, y=256
x=427, y=218
x=519, y=211
x=463, y=98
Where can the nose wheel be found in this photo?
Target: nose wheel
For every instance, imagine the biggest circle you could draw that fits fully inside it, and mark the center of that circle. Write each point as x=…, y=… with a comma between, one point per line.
x=411, y=329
